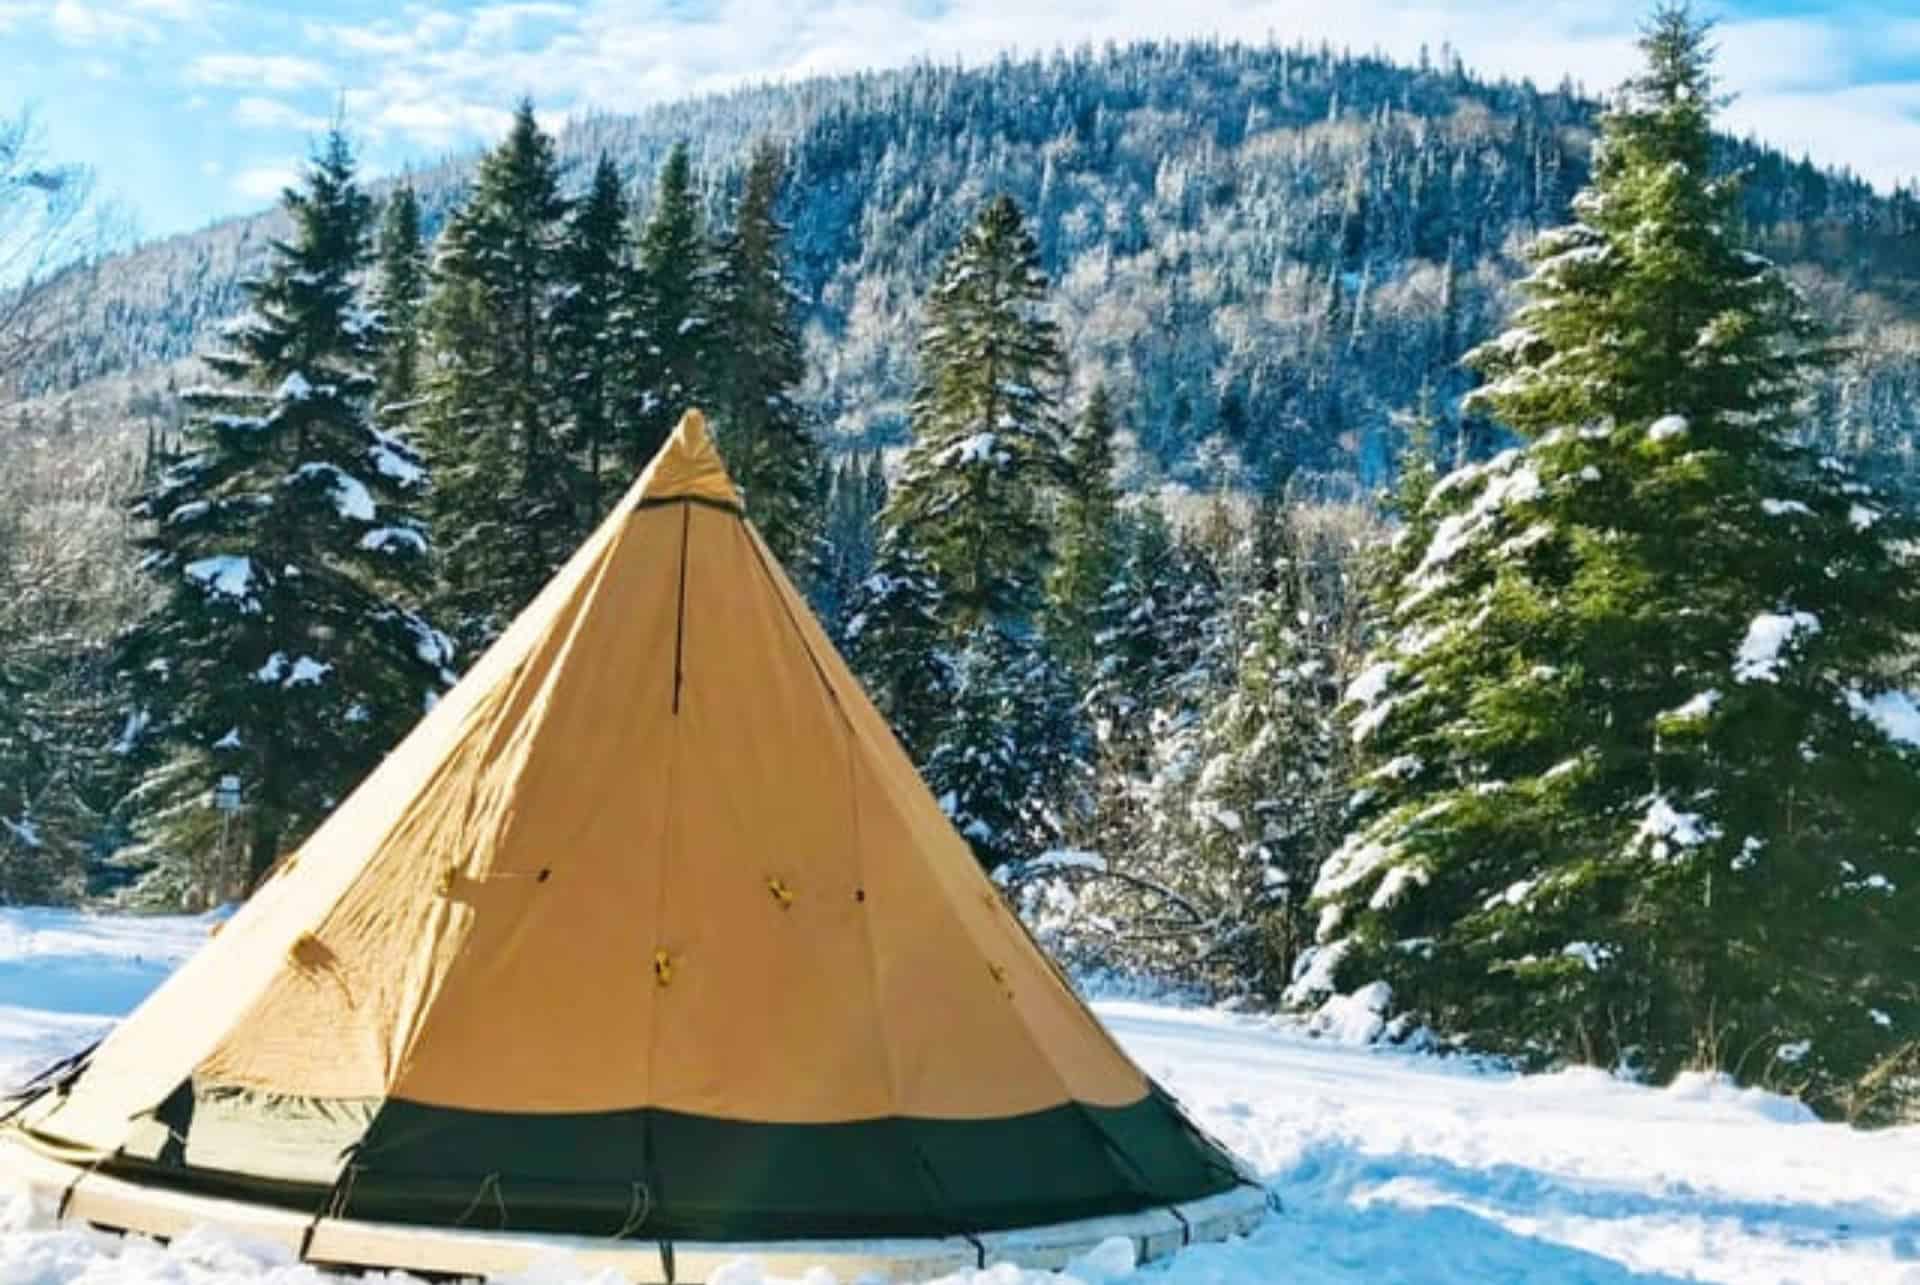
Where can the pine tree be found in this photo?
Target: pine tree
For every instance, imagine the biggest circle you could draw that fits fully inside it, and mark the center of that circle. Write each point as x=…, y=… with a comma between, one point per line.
x=1154, y=635
x=399, y=295
x=591, y=326
x=1265, y=801
x=1007, y=762
x=284, y=650
x=504, y=488
x=1640, y=790
x=672, y=304
x=756, y=371
x=899, y=647
x=1087, y=525
x=38, y=860
x=850, y=540
x=987, y=449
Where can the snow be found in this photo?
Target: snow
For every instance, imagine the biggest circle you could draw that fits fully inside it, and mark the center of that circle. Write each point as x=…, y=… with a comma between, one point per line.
x=1862, y=517
x=294, y=388
x=1068, y=859
x=1667, y=427
x=224, y=576
x=1895, y=713
x=1509, y=482
x=1358, y=1018
x=390, y=459
x=1759, y=657
x=24, y=831
x=1664, y=827
x=977, y=448
x=1389, y=1166
x=1366, y=723
x=394, y=539
x=1697, y=708
x=1371, y=683
x=350, y=494
x=1589, y=953
x=1783, y=508
x=307, y=672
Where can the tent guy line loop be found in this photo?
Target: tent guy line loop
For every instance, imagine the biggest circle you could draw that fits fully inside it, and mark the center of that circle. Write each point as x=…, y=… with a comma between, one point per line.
x=637, y=1212
x=491, y=1183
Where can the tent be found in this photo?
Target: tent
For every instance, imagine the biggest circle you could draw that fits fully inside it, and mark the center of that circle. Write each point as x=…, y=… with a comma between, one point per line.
x=648, y=942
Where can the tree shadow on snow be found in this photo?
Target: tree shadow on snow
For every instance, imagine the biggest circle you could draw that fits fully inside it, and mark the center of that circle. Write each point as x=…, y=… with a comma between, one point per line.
x=1445, y=1221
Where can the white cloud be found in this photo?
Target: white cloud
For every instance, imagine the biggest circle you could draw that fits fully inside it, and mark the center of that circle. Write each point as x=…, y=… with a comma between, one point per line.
x=264, y=182
x=270, y=113
x=77, y=23
x=438, y=77
x=260, y=71
x=94, y=22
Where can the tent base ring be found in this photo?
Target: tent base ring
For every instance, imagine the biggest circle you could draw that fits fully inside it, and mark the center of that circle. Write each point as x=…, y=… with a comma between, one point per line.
x=119, y=1205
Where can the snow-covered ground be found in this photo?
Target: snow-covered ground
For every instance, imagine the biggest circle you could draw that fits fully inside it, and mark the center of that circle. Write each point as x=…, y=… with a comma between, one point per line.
x=1391, y=1168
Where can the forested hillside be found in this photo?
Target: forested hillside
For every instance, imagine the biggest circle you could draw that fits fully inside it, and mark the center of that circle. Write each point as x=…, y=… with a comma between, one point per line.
x=1272, y=248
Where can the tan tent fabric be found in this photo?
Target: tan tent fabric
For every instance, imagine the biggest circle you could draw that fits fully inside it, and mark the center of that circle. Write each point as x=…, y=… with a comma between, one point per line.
x=655, y=850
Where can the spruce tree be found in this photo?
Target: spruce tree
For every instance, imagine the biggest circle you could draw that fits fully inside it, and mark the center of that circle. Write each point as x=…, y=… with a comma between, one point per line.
x=399, y=295
x=284, y=649
x=1642, y=788
x=756, y=371
x=1087, y=526
x=1007, y=763
x=591, y=336
x=987, y=450
x=672, y=304
x=973, y=499
x=1264, y=800
x=898, y=644
x=504, y=487
x=850, y=540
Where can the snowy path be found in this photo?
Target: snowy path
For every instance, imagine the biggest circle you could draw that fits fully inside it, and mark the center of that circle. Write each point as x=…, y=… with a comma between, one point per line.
x=1392, y=1168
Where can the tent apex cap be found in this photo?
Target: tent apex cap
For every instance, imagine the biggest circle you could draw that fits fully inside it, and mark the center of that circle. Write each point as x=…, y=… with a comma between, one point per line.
x=688, y=467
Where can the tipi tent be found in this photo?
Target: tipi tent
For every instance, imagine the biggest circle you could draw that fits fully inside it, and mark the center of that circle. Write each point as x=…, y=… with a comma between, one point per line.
x=647, y=939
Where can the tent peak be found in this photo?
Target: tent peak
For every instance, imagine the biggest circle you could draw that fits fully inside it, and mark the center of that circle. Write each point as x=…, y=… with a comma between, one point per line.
x=688, y=467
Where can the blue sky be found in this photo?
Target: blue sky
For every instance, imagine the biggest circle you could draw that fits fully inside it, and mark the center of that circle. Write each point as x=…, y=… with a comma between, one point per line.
x=194, y=109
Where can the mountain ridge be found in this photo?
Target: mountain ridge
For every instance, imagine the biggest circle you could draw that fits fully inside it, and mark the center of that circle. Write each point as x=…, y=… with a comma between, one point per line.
x=1266, y=250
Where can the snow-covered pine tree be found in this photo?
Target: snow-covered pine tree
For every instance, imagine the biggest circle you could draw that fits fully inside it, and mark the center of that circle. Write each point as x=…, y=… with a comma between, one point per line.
x=899, y=644
x=1087, y=536
x=1267, y=799
x=592, y=338
x=850, y=540
x=756, y=370
x=504, y=488
x=1007, y=763
x=987, y=450
x=973, y=498
x=39, y=861
x=1643, y=787
x=285, y=648
x=399, y=296
x=672, y=304
x=1153, y=637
